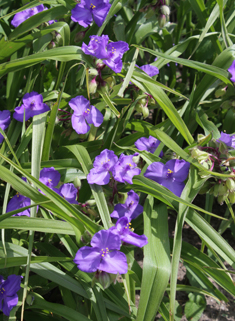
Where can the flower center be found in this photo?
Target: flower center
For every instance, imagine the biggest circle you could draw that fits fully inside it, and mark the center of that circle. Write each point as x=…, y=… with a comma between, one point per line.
x=2, y=290
x=113, y=50
x=104, y=251
x=92, y=6
x=128, y=227
x=87, y=112
x=18, y=194
x=169, y=172
x=32, y=104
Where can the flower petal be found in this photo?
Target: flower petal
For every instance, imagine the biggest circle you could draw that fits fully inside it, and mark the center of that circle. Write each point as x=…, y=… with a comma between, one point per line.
x=114, y=262
x=106, y=239
x=98, y=176
x=95, y=117
x=79, y=124
x=81, y=15
x=87, y=259
x=9, y=303
x=100, y=13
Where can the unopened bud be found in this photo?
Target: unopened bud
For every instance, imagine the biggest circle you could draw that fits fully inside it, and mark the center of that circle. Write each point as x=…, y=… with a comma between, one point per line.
x=145, y=111
x=165, y=10
x=92, y=72
x=29, y=299
x=162, y=20
x=231, y=197
x=138, y=107
x=222, y=190
x=79, y=36
x=136, y=158
x=198, y=154
x=152, y=101
x=58, y=39
x=86, y=237
x=122, y=197
x=51, y=45
x=111, y=81
x=216, y=190
x=77, y=182
x=226, y=104
x=93, y=86
x=99, y=63
x=91, y=203
x=230, y=183
x=221, y=199
x=220, y=92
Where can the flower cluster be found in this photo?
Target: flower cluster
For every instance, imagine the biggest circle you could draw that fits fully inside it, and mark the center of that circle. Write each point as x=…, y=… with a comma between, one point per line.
x=111, y=53
x=87, y=11
x=32, y=105
x=171, y=175
x=122, y=169
x=51, y=178
x=84, y=114
x=8, y=293
x=149, y=144
x=104, y=254
x=28, y=13
x=5, y=119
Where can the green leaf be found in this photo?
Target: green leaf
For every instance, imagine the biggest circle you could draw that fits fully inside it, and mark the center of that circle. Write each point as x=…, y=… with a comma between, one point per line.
x=195, y=306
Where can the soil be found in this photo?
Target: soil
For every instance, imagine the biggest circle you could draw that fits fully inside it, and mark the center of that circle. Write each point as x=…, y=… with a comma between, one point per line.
x=214, y=310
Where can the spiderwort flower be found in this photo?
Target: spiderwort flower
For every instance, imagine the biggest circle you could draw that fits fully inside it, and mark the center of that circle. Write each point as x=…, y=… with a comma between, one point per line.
x=149, y=144
x=112, y=52
x=50, y=177
x=69, y=192
x=125, y=169
x=171, y=175
x=103, y=166
x=32, y=105
x=227, y=139
x=5, y=119
x=8, y=290
x=84, y=114
x=104, y=254
x=88, y=10
x=150, y=70
x=131, y=209
x=125, y=232
x=231, y=69
x=18, y=201
x=26, y=14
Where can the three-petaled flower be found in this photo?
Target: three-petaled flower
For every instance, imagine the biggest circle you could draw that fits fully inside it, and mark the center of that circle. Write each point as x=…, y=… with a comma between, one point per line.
x=18, y=201
x=104, y=255
x=84, y=114
x=26, y=14
x=88, y=10
x=32, y=105
x=125, y=169
x=171, y=175
x=8, y=290
x=112, y=52
x=149, y=144
x=130, y=209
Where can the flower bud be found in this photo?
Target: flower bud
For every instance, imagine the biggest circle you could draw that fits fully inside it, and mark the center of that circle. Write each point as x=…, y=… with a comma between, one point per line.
x=220, y=92
x=86, y=237
x=221, y=199
x=92, y=72
x=136, y=158
x=91, y=203
x=58, y=39
x=231, y=197
x=77, y=182
x=51, y=45
x=200, y=155
x=138, y=107
x=226, y=104
x=79, y=36
x=223, y=148
x=165, y=10
x=104, y=278
x=111, y=81
x=122, y=197
x=93, y=86
x=99, y=63
x=29, y=299
x=230, y=183
x=222, y=190
x=152, y=101
x=216, y=190
x=162, y=20
x=145, y=111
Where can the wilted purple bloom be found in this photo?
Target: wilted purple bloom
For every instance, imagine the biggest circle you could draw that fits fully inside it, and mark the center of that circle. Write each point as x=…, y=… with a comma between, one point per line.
x=26, y=14
x=5, y=119
x=18, y=201
x=49, y=177
x=131, y=209
x=8, y=290
x=227, y=139
x=231, y=69
x=150, y=70
x=125, y=169
x=103, y=255
x=84, y=114
x=125, y=232
x=171, y=175
x=103, y=166
x=69, y=192
x=149, y=144
x=88, y=10
x=32, y=105
x=112, y=52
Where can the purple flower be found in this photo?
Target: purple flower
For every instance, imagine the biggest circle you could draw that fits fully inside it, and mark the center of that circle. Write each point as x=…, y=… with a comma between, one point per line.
x=150, y=70
x=231, y=69
x=150, y=144
x=227, y=139
x=88, y=10
x=131, y=209
x=50, y=177
x=84, y=114
x=103, y=255
x=18, y=201
x=125, y=232
x=171, y=175
x=32, y=105
x=103, y=165
x=8, y=290
x=112, y=52
x=5, y=119
x=125, y=169
x=26, y=14
x=69, y=192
